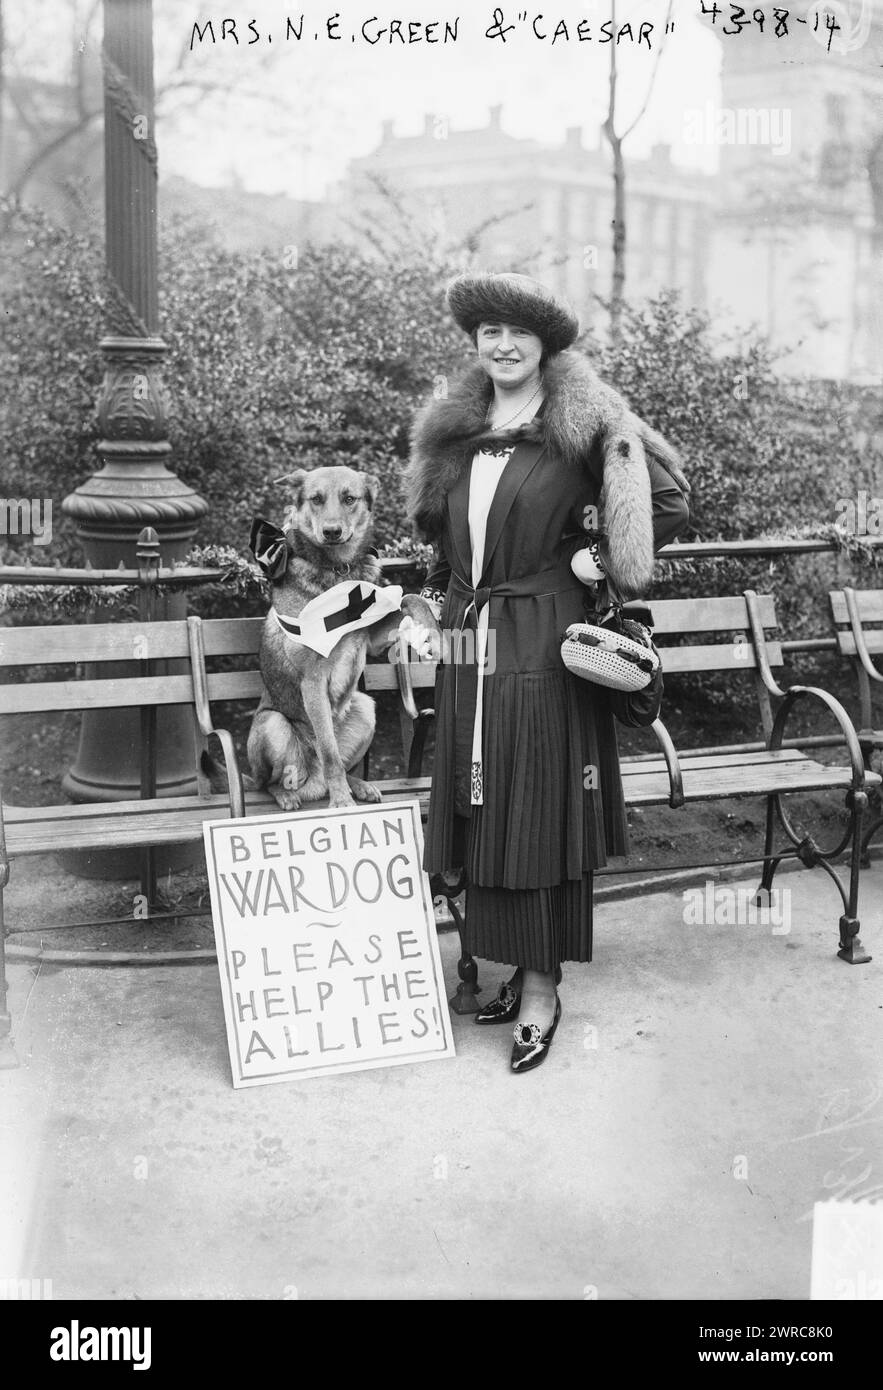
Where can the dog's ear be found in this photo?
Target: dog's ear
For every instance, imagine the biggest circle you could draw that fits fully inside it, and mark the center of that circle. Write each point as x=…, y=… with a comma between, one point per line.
x=372, y=487
x=296, y=481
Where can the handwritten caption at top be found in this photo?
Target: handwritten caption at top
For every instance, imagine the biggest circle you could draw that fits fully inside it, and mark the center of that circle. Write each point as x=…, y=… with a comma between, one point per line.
x=503, y=28
x=830, y=23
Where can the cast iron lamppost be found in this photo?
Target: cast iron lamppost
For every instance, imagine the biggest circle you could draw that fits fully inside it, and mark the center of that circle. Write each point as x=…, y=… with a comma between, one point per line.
x=134, y=487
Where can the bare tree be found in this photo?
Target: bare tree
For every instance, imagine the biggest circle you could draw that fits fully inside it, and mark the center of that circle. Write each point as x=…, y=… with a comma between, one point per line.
x=616, y=142
x=2, y=81
x=183, y=83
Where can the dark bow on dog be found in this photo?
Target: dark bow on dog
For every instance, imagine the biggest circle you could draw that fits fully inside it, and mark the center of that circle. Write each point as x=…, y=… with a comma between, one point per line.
x=269, y=546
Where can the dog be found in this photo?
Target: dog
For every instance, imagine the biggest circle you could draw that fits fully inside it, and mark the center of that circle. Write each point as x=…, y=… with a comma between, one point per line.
x=313, y=726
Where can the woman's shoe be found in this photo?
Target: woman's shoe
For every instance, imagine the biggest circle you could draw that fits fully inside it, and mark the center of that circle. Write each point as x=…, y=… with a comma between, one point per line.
x=505, y=1006
x=530, y=1047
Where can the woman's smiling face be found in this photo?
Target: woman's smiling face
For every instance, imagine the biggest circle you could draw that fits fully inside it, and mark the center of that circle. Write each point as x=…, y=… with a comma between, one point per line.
x=508, y=353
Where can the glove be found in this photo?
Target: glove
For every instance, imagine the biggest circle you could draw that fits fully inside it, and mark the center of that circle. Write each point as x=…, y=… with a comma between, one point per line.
x=425, y=641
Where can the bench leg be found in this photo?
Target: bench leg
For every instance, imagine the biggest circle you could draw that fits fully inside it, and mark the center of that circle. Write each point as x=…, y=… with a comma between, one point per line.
x=812, y=856
x=148, y=877
x=8, y=1059
x=770, y=861
x=463, y=1000
x=851, y=949
x=867, y=837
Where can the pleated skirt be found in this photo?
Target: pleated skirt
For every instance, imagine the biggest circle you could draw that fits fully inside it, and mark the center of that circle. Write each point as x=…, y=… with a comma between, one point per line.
x=553, y=806
x=537, y=928
x=553, y=810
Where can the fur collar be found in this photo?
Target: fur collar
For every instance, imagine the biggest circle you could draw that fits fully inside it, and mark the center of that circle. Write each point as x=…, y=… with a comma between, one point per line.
x=582, y=414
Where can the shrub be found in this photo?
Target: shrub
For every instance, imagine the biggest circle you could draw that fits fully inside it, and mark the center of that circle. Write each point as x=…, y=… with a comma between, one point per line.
x=765, y=456
x=275, y=365
x=270, y=368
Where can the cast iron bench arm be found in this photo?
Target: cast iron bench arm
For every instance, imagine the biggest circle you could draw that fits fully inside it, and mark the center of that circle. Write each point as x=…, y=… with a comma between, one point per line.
x=4, y=857
x=672, y=762
x=858, y=633
x=794, y=693
x=406, y=690
x=847, y=728
x=202, y=709
x=420, y=718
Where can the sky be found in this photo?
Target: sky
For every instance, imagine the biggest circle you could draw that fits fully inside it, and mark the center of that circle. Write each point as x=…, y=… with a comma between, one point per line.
x=283, y=116
x=336, y=93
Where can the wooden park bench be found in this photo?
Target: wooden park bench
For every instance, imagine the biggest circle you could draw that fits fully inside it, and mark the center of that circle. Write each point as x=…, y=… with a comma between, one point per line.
x=733, y=632
x=770, y=769
x=115, y=680
x=853, y=611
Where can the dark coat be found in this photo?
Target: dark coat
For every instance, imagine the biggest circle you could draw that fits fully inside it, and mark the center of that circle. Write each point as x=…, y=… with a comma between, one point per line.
x=552, y=806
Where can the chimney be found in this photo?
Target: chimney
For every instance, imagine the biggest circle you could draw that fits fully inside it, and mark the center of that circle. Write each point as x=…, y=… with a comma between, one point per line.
x=386, y=131
x=495, y=113
x=428, y=124
x=573, y=137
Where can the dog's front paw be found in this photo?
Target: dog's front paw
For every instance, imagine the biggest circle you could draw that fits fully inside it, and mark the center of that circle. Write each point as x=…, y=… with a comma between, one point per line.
x=415, y=607
x=364, y=791
x=340, y=798
x=286, y=799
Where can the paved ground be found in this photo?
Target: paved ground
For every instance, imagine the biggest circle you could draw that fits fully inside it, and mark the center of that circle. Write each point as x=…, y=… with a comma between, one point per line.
x=708, y=1084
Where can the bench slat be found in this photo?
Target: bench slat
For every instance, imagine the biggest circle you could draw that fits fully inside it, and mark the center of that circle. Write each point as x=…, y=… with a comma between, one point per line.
x=235, y=685
x=721, y=656
x=41, y=830
x=49, y=646
x=99, y=642
x=123, y=693
x=150, y=823
x=709, y=614
x=715, y=760
x=716, y=785
x=873, y=641
x=232, y=636
x=21, y=815
x=381, y=675
x=869, y=601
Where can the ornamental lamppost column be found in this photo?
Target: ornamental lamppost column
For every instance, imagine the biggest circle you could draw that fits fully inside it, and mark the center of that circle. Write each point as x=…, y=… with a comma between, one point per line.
x=134, y=487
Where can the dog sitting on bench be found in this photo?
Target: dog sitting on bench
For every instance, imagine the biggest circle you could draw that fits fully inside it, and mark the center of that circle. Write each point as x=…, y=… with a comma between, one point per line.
x=313, y=726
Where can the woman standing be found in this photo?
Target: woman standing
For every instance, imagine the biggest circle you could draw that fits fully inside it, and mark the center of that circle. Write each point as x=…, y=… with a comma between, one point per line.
x=528, y=448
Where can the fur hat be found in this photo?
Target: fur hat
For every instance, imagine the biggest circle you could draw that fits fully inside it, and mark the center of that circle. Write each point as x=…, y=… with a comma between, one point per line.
x=517, y=299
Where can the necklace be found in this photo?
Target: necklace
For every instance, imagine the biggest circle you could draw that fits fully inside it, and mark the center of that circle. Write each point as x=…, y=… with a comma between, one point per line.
x=518, y=412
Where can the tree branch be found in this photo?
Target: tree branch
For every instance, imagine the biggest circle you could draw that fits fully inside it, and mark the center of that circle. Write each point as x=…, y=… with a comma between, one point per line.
x=626, y=133
x=26, y=174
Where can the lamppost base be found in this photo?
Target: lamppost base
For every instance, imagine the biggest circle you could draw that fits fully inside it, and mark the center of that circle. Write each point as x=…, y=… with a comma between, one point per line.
x=107, y=769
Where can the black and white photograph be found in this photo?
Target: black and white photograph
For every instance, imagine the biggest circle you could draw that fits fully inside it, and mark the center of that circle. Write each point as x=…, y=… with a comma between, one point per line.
x=441, y=634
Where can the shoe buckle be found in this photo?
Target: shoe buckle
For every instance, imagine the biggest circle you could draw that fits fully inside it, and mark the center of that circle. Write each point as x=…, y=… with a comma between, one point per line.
x=534, y=1035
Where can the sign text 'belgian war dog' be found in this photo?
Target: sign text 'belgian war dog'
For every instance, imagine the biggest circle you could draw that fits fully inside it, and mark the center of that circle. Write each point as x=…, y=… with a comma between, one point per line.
x=326, y=942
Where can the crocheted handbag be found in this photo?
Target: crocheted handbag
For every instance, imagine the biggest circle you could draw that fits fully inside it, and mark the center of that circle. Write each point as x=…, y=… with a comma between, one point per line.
x=617, y=652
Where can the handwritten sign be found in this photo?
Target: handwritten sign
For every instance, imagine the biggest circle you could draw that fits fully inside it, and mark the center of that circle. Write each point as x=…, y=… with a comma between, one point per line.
x=326, y=942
